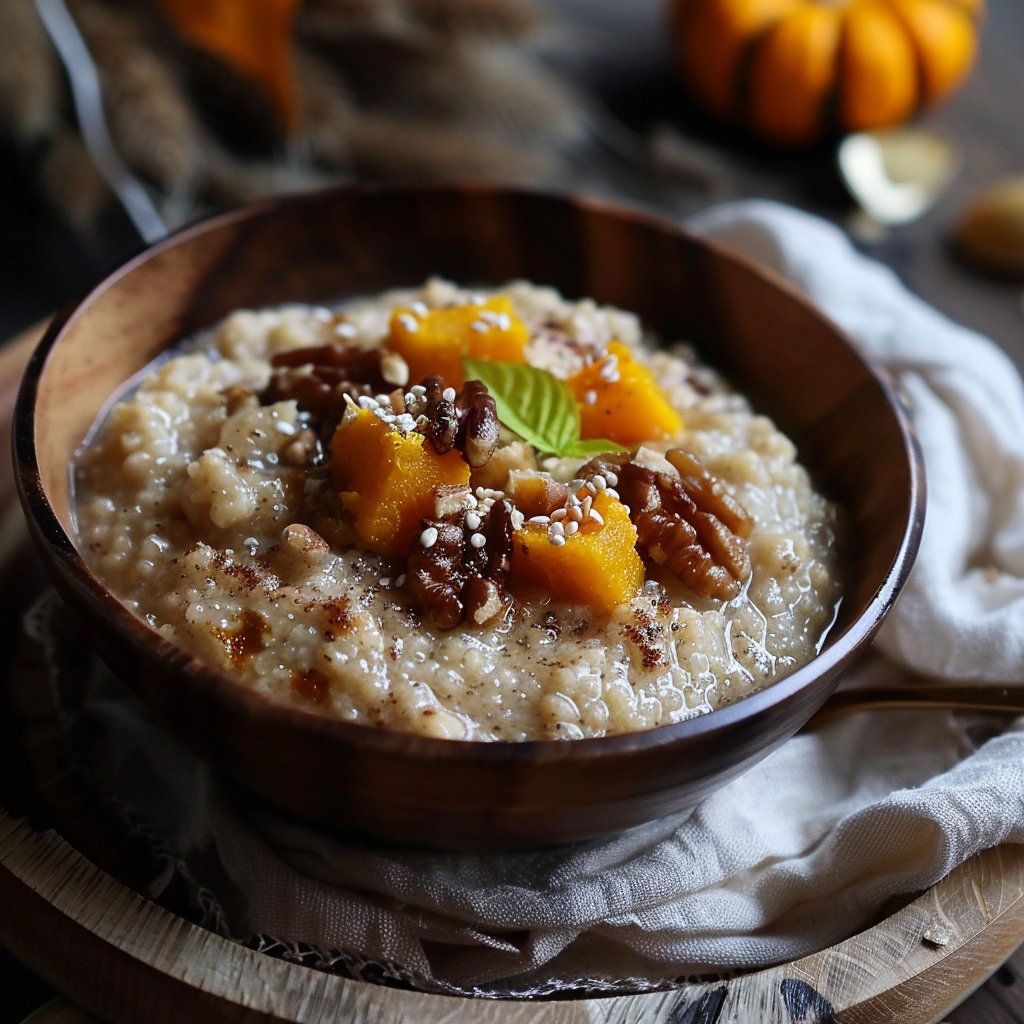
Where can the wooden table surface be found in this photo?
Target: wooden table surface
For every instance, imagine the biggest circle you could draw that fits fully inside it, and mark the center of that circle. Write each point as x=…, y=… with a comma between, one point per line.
x=620, y=49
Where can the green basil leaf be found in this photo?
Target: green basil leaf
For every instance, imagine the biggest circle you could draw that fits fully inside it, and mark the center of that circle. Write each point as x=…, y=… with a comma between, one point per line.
x=537, y=406
x=588, y=449
x=532, y=402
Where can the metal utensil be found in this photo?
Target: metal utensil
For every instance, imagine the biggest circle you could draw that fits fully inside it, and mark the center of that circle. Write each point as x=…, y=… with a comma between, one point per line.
x=999, y=699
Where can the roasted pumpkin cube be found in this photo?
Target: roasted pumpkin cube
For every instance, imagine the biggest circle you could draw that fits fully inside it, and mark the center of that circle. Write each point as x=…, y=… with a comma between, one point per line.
x=437, y=341
x=598, y=565
x=619, y=399
x=387, y=480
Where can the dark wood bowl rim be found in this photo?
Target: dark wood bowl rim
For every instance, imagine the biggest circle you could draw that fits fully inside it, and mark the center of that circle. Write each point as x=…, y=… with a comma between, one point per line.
x=838, y=650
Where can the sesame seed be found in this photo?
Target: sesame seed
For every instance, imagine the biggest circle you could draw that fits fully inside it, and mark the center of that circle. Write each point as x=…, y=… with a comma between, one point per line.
x=556, y=541
x=612, y=479
x=599, y=482
x=345, y=330
x=597, y=517
x=428, y=538
x=410, y=323
x=610, y=369
x=571, y=528
x=419, y=308
x=591, y=488
x=575, y=485
x=418, y=390
x=612, y=493
x=383, y=399
x=448, y=394
x=400, y=581
x=588, y=504
x=559, y=513
x=556, y=528
x=517, y=518
x=504, y=322
x=576, y=512
x=479, y=326
x=478, y=540
x=540, y=520
x=472, y=521
x=284, y=427
x=590, y=398
x=490, y=316
x=385, y=581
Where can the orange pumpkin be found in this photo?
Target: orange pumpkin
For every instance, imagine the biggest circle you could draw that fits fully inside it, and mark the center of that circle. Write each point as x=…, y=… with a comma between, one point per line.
x=791, y=70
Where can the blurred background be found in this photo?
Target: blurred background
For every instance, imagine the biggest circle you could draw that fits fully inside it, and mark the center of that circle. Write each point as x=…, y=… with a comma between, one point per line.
x=212, y=103
x=122, y=118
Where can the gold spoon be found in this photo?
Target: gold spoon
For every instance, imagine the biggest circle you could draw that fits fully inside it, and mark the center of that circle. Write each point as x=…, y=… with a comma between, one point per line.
x=1003, y=700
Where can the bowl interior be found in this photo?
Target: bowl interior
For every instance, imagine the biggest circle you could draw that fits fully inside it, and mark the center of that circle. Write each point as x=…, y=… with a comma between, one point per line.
x=772, y=344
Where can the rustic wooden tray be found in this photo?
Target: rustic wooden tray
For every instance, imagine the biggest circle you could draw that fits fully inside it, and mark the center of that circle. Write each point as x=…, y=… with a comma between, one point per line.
x=126, y=959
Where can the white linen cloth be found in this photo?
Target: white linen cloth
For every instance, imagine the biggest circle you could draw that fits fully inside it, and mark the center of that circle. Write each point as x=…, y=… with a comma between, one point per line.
x=803, y=849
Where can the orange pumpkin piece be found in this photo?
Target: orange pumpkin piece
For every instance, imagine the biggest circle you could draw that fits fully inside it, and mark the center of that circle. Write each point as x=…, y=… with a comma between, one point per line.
x=437, y=341
x=388, y=480
x=620, y=400
x=598, y=565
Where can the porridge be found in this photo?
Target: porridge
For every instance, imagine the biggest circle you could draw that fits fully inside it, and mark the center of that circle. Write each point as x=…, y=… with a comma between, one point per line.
x=500, y=516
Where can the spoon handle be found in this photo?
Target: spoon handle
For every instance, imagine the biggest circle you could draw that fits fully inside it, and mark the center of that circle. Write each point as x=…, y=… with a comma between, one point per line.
x=1007, y=700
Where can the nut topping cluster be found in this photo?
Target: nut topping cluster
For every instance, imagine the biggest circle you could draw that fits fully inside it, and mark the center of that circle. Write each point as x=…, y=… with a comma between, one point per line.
x=320, y=377
x=459, y=570
x=686, y=524
x=467, y=421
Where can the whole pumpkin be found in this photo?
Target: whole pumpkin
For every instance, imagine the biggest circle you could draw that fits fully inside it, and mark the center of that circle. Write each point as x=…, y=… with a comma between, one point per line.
x=791, y=70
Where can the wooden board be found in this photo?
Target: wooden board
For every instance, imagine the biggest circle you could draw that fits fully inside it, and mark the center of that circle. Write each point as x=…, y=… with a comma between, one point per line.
x=126, y=959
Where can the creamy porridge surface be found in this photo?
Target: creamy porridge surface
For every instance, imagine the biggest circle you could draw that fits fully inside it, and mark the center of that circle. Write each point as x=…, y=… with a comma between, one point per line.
x=399, y=558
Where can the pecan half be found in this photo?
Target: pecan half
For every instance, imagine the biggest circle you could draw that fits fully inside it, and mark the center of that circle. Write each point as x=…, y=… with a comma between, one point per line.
x=320, y=376
x=687, y=524
x=457, y=577
x=467, y=421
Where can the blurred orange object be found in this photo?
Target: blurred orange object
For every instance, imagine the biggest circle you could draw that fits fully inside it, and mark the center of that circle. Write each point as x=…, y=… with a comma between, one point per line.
x=792, y=70
x=253, y=36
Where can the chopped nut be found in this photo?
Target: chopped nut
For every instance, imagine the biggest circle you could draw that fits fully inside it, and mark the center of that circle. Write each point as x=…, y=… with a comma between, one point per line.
x=452, y=499
x=462, y=572
x=304, y=544
x=434, y=574
x=536, y=494
x=319, y=377
x=519, y=455
x=467, y=422
x=685, y=523
x=479, y=430
x=394, y=369
x=707, y=493
x=483, y=601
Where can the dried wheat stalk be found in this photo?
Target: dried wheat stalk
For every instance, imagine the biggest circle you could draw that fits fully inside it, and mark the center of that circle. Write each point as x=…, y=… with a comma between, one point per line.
x=31, y=90
x=391, y=147
x=150, y=119
x=326, y=109
x=70, y=181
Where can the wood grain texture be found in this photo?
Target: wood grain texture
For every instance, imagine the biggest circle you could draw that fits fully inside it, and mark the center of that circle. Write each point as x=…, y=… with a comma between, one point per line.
x=123, y=958
x=355, y=241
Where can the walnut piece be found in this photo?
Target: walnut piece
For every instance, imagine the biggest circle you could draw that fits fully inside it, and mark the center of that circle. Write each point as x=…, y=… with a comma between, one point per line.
x=319, y=377
x=467, y=421
x=458, y=569
x=686, y=523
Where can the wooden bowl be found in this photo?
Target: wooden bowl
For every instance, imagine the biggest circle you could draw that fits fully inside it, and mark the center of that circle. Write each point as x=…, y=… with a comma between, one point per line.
x=797, y=366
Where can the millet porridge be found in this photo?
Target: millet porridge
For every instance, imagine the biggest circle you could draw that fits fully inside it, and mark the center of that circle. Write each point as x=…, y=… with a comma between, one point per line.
x=488, y=516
